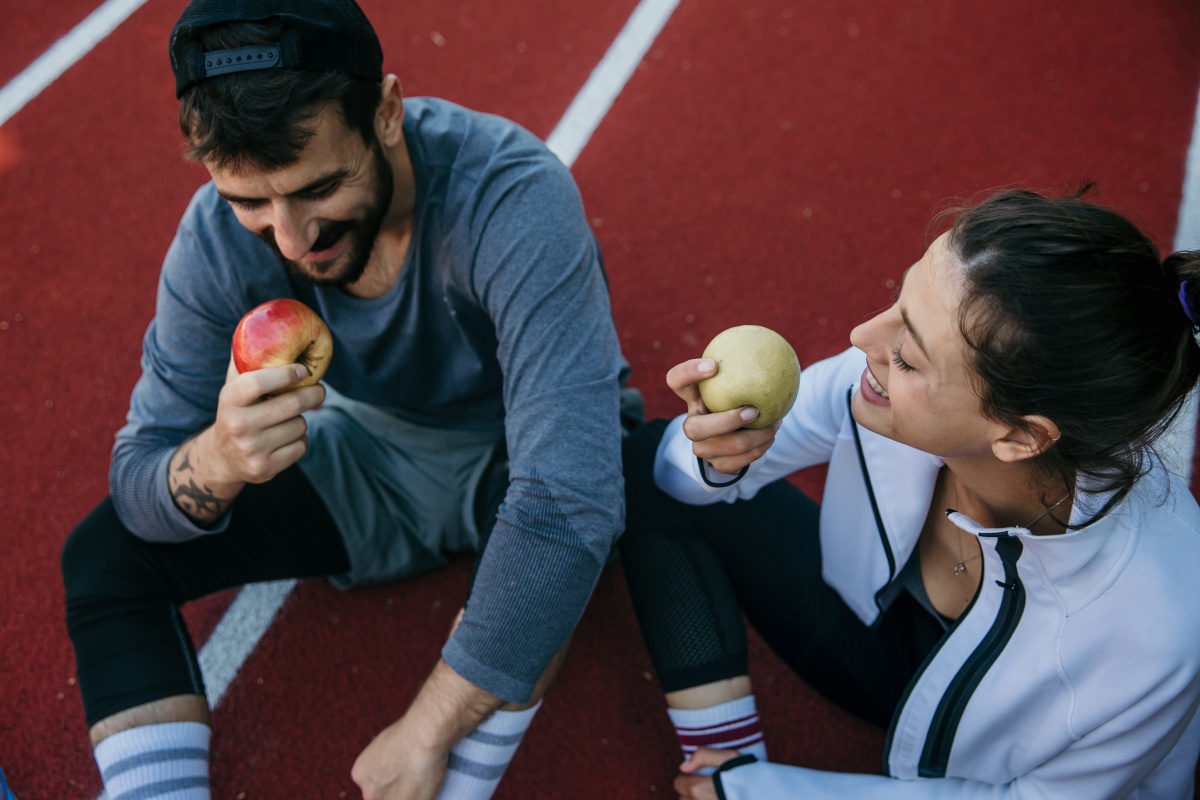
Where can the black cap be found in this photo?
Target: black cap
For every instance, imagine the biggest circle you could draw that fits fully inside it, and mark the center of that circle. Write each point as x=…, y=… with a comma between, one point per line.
x=318, y=35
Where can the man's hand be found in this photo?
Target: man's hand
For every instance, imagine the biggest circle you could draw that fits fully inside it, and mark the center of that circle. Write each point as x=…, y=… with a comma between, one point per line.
x=699, y=787
x=718, y=438
x=407, y=761
x=253, y=439
x=395, y=766
x=256, y=437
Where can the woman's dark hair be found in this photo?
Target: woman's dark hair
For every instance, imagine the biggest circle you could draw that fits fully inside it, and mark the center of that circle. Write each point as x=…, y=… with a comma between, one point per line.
x=1070, y=313
x=264, y=118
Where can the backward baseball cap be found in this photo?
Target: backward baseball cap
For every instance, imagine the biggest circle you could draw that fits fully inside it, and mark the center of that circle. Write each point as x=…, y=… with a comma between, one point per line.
x=318, y=36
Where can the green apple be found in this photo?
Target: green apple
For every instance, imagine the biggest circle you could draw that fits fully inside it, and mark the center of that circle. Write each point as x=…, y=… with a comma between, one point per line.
x=755, y=367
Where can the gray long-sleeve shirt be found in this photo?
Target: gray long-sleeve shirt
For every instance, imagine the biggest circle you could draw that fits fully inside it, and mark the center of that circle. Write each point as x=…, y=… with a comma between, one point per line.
x=499, y=319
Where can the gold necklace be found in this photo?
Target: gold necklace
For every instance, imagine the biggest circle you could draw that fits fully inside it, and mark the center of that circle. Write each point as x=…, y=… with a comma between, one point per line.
x=961, y=566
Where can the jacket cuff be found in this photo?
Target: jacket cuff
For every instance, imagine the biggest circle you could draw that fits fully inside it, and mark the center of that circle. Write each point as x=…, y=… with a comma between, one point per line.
x=704, y=472
x=733, y=763
x=506, y=687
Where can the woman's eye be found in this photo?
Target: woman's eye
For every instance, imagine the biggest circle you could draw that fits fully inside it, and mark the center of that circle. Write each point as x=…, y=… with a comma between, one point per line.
x=899, y=361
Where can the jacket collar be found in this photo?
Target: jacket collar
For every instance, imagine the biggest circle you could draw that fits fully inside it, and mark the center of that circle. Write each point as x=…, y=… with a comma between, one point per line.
x=1076, y=566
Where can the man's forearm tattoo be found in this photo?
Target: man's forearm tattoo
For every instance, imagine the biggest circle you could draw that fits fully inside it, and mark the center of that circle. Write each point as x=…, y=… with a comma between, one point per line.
x=197, y=501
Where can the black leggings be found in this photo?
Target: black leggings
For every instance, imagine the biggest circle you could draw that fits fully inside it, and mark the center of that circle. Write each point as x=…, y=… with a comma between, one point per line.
x=694, y=570
x=124, y=594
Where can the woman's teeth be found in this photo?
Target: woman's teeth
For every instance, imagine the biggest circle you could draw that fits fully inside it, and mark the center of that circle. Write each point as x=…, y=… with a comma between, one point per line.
x=875, y=385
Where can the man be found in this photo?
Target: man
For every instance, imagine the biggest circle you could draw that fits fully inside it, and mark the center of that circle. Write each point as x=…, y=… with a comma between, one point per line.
x=473, y=401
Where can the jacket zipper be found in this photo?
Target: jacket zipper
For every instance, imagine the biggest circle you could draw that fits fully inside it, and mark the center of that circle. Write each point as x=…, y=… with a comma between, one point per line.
x=938, y=743
x=939, y=740
x=887, y=546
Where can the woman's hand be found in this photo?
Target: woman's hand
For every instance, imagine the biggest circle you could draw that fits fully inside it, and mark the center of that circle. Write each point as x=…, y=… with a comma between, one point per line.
x=718, y=438
x=698, y=787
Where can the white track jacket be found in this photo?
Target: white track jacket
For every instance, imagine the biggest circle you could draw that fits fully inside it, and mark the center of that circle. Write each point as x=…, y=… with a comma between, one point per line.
x=1075, y=671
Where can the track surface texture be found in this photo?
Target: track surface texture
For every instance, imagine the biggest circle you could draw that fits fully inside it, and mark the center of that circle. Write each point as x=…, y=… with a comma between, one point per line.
x=770, y=161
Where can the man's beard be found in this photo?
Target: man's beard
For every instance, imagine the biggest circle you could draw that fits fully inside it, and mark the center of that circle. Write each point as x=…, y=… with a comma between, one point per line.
x=362, y=232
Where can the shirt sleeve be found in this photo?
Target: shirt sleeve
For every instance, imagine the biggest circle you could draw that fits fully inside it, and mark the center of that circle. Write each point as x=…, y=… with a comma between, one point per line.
x=185, y=354
x=537, y=271
x=806, y=438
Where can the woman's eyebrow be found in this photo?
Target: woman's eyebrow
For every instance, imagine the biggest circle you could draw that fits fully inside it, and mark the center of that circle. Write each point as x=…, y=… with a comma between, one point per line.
x=916, y=337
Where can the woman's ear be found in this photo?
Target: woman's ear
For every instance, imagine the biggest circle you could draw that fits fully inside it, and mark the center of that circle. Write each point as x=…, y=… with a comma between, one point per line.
x=390, y=116
x=1034, y=438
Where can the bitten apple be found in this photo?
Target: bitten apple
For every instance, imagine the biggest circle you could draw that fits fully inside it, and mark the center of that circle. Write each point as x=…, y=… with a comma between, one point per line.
x=280, y=332
x=755, y=367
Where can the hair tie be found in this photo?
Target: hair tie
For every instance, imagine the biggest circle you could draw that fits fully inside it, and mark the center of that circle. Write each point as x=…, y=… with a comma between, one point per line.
x=1187, y=307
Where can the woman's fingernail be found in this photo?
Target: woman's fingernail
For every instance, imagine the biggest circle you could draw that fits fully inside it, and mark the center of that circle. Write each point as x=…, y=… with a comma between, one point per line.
x=707, y=365
x=749, y=413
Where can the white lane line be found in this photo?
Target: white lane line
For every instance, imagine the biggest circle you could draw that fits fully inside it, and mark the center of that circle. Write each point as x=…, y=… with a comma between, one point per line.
x=251, y=614
x=63, y=54
x=1178, y=445
x=1187, y=235
x=238, y=633
x=609, y=78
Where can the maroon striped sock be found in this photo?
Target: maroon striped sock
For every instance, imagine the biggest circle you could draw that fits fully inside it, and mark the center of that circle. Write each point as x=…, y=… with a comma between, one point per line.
x=729, y=726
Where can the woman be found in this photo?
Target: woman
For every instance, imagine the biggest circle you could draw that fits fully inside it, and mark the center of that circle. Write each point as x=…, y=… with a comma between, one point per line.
x=1001, y=569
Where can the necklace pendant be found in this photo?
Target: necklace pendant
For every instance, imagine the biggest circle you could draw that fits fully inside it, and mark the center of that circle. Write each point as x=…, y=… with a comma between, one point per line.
x=960, y=568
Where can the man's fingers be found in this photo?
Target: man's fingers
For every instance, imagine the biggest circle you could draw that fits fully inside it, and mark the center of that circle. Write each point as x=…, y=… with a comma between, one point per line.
x=283, y=434
x=259, y=440
x=264, y=467
x=249, y=387
x=263, y=412
x=276, y=449
x=248, y=424
x=295, y=402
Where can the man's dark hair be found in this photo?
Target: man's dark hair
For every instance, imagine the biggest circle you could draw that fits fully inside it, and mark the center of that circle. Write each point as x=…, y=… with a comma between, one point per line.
x=264, y=118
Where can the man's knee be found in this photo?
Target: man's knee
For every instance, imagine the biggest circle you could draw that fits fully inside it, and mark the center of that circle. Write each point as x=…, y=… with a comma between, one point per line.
x=99, y=557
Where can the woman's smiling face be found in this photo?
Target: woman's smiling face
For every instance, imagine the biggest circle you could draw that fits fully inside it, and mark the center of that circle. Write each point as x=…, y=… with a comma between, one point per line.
x=916, y=388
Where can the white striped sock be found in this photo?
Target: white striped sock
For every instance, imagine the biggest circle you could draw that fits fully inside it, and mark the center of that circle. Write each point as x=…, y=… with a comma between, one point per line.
x=167, y=762
x=478, y=761
x=728, y=726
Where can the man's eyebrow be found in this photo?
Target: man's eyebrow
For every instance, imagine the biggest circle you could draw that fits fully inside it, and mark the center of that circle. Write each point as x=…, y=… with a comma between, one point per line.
x=308, y=188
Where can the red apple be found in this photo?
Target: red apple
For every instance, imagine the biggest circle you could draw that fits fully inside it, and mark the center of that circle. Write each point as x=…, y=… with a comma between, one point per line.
x=280, y=332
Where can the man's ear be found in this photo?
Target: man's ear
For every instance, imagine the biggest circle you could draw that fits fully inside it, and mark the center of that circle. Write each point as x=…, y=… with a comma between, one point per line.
x=390, y=115
x=1018, y=443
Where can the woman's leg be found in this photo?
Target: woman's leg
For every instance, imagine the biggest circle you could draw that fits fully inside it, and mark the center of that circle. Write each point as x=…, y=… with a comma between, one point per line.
x=693, y=570
x=687, y=610
x=685, y=604
x=770, y=550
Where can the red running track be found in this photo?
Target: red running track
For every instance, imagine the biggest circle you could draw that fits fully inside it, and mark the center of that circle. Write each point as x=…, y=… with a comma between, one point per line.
x=771, y=162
